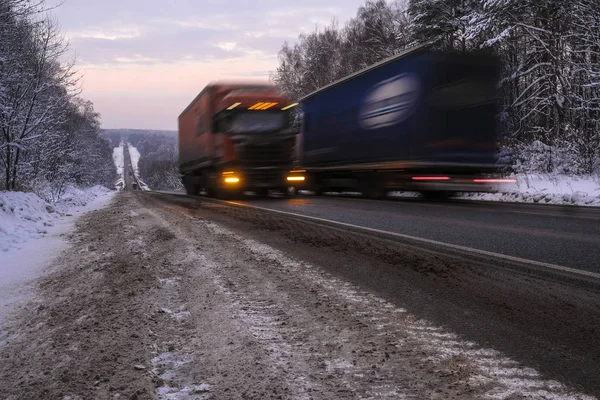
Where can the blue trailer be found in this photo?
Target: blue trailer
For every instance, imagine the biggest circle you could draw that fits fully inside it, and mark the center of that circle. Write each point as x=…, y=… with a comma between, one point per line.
x=422, y=120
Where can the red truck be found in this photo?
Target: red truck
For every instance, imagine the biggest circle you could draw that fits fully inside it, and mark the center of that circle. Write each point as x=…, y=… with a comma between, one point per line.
x=236, y=137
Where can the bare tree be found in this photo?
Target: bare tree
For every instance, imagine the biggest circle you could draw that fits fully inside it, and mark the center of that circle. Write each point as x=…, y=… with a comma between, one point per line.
x=49, y=138
x=38, y=86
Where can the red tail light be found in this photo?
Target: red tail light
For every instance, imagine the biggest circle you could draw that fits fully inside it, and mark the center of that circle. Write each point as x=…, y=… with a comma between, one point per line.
x=431, y=178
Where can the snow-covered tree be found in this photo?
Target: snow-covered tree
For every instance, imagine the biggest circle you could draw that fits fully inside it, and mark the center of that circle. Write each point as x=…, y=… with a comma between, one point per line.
x=379, y=30
x=159, y=162
x=47, y=134
x=550, y=54
x=442, y=23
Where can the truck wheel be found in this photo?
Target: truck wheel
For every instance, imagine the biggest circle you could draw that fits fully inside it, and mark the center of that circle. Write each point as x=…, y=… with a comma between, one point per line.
x=191, y=189
x=372, y=187
x=261, y=192
x=285, y=192
x=229, y=194
x=375, y=193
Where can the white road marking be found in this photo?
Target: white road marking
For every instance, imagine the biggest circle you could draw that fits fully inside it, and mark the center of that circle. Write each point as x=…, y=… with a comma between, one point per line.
x=550, y=266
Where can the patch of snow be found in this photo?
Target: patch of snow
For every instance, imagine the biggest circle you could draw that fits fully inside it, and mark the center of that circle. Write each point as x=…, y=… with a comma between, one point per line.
x=82, y=200
x=169, y=282
x=187, y=392
x=182, y=315
x=166, y=366
x=23, y=216
x=545, y=189
x=135, y=157
x=32, y=234
x=119, y=159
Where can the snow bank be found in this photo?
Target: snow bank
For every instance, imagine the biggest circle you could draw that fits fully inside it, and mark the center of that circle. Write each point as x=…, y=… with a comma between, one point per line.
x=25, y=216
x=75, y=198
x=119, y=159
x=135, y=157
x=531, y=188
x=546, y=189
x=31, y=234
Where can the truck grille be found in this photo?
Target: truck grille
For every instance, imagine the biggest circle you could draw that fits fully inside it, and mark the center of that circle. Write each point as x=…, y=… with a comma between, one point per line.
x=265, y=178
x=278, y=154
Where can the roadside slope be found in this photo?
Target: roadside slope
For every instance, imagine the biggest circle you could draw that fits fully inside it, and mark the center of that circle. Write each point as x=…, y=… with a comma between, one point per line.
x=158, y=300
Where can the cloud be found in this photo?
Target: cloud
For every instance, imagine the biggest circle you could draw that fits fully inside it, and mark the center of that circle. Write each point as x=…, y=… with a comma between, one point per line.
x=153, y=52
x=196, y=43
x=157, y=31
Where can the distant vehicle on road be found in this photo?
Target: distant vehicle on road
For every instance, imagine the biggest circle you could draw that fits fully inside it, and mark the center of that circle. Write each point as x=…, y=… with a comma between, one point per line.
x=235, y=137
x=421, y=121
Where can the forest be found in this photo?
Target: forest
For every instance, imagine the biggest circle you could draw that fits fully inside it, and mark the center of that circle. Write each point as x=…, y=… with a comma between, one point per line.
x=550, y=55
x=49, y=135
x=158, y=165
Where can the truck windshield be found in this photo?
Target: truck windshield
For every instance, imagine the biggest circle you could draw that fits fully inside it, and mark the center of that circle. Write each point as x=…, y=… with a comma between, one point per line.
x=256, y=121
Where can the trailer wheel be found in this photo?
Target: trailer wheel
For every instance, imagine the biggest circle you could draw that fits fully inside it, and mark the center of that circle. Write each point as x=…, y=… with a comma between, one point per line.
x=372, y=186
x=224, y=194
x=374, y=192
x=436, y=195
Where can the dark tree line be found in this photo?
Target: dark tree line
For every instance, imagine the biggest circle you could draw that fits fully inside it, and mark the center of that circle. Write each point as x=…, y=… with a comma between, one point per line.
x=550, y=50
x=159, y=163
x=49, y=137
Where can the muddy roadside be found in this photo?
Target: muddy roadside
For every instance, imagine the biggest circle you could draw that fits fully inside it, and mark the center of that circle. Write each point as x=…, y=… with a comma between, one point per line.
x=546, y=324
x=156, y=299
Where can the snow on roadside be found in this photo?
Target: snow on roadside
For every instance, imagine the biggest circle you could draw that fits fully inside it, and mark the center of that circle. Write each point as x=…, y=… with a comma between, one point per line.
x=31, y=234
x=542, y=189
x=75, y=199
x=545, y=189
x=135, y=157
x=119, y=159
x=25, y=216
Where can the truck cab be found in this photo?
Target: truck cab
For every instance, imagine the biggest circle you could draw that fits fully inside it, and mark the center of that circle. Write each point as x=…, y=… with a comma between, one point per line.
x=237, y=137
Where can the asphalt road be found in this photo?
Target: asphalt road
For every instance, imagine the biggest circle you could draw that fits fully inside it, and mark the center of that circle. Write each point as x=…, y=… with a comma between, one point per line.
x=127, y=169
x=561, y=235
